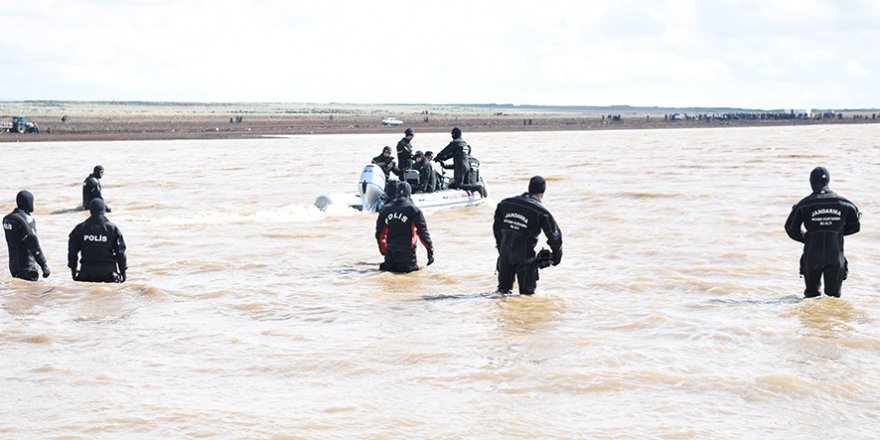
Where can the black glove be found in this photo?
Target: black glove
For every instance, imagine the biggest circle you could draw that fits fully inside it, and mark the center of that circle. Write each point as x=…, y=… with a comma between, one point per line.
x=430, y=256
x=46, y=271
x=122, y=276
x=557, y=256
x=73, y=274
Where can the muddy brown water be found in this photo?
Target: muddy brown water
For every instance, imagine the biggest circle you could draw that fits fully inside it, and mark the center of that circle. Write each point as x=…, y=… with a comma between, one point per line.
x=675, y=313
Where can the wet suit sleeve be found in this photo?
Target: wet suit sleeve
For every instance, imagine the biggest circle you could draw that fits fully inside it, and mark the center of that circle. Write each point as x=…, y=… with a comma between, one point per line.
x=446, y=153
x=381, y=232
x=554, y=237
x=422, y=229
x=121, y=258
x=852, y=221
x=33, y=245
x=793, y=225
x=73, y=247
x=496, y=226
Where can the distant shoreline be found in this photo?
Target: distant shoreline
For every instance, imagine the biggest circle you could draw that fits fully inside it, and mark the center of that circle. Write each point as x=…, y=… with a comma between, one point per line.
x=110, y=121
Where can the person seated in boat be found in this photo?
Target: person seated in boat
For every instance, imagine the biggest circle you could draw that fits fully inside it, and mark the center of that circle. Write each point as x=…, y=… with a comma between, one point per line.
x=386, y=162
x=439, y=182
x=427, y=175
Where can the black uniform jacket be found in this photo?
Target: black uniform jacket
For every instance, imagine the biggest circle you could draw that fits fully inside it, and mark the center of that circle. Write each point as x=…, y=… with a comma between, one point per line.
x=25, y=254
x=518, y=221
x=398, y=225
x=458, y=150
x=404, y=154
x=101, y=244
x=91, y=190
x=387, y=164
x=827, y=217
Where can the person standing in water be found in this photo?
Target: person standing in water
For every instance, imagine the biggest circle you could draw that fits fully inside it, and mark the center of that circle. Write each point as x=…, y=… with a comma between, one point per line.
x=102, y=247
x=92, y=187
x=25, y=254
x=518, y=222
x=398, y=225
x=827, y=218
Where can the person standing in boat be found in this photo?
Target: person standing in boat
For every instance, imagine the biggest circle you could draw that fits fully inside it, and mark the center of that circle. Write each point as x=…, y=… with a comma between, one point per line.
x=827, y=217
x=518, y=222
x=25, y=253
x=405, y=152
x=92, y=187
x=457, y=150
x=398, y=225
x=101, y=245
x=386, y=162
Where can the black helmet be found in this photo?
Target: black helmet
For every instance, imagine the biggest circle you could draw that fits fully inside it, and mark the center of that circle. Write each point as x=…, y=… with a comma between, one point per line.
x=409, y=131
x=386, y=149
x=429, y=153
x=418, y=154
x=456, y=133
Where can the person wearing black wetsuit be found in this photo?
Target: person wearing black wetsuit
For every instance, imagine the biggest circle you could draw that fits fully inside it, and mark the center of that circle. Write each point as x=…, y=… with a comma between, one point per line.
x=386, y=162
x=92, y=187
x=405, y=152
x=827, y=218
x=518, y=222
x=457, y=150
x=102, y=247
x=25, y=254
x=397, y=227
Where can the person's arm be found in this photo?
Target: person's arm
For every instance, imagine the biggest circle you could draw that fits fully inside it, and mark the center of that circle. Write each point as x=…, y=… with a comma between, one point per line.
x=381, y=232
x=422, y=230
x=73, y=248
x=853, y=224
x=793, y=225
x=33, y=245
x=121, y=258
x=554, y=237
x=496, y=226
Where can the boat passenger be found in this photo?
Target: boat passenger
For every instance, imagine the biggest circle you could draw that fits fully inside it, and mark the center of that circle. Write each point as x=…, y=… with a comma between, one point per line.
x=518, y=222
x=102, y=247
x=405, y=152
x=398, y=225
x=386, y=162
x=827, y=217
x=25, y=253
x=457, y=150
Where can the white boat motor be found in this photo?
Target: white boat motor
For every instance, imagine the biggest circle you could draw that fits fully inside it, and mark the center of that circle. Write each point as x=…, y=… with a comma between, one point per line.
x=371, y=187
x=412, y=177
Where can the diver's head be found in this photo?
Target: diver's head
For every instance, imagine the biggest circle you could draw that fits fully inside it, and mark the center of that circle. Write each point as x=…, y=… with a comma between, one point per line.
x=537, y=186
x=404, y=190
x=98, y=172
x=819, y=178
x=97, y=207
x=25, y=201
x=456, y=133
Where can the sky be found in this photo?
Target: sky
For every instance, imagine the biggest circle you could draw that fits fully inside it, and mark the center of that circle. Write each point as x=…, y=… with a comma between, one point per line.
x=758, y=54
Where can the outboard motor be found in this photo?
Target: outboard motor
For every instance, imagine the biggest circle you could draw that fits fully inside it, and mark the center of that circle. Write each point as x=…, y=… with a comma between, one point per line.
x=371, y=187
x=412, y=177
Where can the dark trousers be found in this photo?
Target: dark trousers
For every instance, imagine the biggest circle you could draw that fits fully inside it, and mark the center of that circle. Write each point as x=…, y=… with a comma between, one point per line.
x=833, y=274
x=399, y=260
x=99, y=277
x=28, y=275
x=526, y=274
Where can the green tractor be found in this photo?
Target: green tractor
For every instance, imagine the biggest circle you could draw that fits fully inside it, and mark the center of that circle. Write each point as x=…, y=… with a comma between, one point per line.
x=20, y=124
